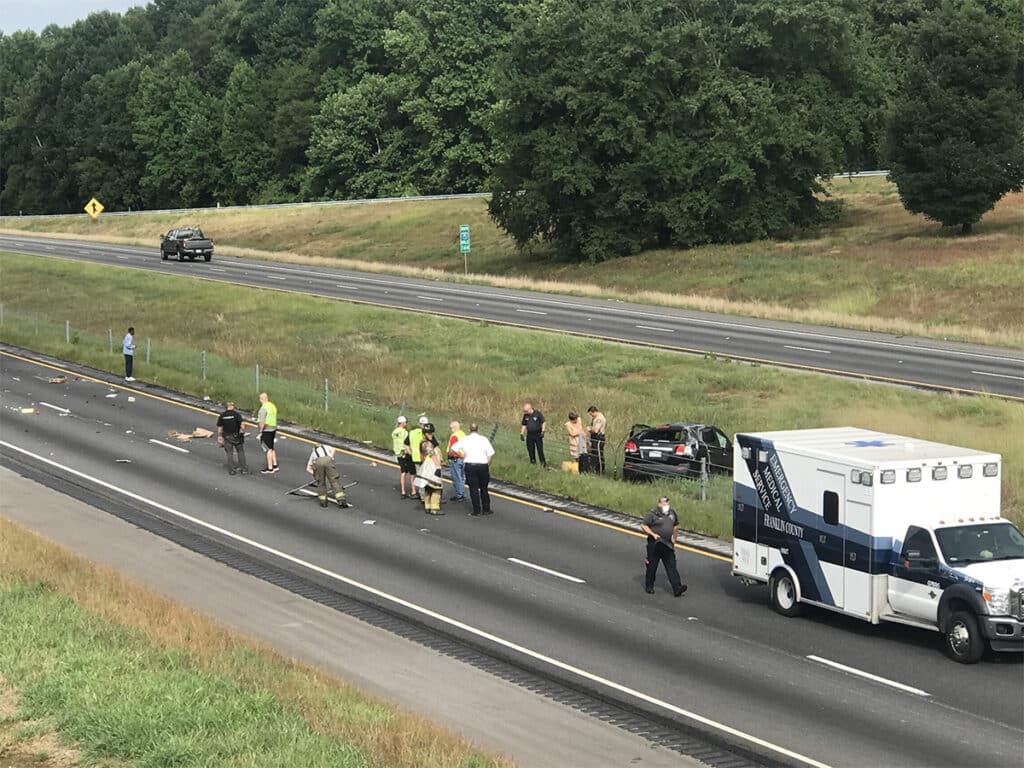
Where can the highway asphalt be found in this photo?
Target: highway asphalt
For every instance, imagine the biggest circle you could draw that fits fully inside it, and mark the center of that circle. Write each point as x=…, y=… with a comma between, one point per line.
x=872, y=356
x=560, y=594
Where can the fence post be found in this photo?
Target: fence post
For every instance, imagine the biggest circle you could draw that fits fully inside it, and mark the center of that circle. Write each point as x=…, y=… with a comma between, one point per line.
x=203, y=358
x=147, y=350
x=110, y=339
x=67, y=331
x=325, y=395
x=257, y=377
x=703, y=478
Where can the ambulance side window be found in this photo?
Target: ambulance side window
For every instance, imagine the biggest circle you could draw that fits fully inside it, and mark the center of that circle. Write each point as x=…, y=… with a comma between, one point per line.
x=830, y=507
x=918, y=545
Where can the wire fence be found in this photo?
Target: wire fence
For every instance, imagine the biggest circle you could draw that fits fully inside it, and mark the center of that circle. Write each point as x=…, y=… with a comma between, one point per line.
x=355, y=412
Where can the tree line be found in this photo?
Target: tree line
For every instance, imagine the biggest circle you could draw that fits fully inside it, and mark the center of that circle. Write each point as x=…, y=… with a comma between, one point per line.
x=602, y=126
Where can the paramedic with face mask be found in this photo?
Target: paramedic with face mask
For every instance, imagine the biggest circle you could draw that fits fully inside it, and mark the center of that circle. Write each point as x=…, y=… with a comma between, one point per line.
x=661, y=526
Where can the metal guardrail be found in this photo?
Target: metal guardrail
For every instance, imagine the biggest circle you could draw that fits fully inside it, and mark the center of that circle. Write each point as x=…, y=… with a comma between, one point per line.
x=313, y=203
x=268, y=206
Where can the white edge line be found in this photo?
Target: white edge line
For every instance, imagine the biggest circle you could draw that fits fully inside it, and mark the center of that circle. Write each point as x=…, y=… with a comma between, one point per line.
x=565, y=576
x=55, y=407
x=436, y=616
x=808, y=349
x=168, y=445
x=869, y=676
x=999, y=375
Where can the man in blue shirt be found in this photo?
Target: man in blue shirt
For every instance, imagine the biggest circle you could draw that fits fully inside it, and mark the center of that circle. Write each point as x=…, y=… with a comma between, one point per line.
x=128, y=347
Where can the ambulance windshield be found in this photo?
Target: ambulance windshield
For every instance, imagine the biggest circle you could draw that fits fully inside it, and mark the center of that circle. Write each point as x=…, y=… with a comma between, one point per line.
x=980, y=543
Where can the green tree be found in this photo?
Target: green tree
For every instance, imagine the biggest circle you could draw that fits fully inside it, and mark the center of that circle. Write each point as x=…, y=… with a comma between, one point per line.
x=956, y=134
x=629, y=125
x=108, y=164
x=245, y=136
x=176, y=126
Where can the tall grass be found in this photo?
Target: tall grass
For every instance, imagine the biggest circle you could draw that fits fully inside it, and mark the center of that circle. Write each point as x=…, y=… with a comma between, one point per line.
x=877, y=268
x=130, y=675
x=377, y=359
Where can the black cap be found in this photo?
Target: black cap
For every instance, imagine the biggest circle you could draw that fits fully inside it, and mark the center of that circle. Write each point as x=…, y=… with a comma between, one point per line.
x=428, y=427
x=663, y=500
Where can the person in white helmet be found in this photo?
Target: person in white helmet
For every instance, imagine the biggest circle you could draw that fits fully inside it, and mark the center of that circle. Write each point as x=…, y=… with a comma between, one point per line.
x=412, y=446
x=405, y=466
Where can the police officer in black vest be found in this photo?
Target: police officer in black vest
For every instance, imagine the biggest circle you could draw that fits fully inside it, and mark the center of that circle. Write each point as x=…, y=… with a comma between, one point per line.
x=532, y=431
x=661, y=526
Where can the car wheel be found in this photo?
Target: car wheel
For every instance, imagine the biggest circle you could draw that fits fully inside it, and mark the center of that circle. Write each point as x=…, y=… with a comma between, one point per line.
x=163, y=254
x=207, y=257
x=964, y=642
x=191, y=257
x=783, y=594
x=181, y=256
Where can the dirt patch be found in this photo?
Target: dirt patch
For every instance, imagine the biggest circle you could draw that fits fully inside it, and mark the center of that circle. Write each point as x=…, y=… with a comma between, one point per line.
x=639, y=376
x=42, y=750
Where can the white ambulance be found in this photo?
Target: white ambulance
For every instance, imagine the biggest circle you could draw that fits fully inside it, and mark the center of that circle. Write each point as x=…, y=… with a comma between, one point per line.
x=882, y=527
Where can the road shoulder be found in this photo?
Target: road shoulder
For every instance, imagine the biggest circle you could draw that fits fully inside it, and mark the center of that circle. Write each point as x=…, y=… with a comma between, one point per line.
x=492, y=713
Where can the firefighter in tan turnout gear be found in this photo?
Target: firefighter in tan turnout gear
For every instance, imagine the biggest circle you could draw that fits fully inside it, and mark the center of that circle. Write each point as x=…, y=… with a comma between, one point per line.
x=321, y=467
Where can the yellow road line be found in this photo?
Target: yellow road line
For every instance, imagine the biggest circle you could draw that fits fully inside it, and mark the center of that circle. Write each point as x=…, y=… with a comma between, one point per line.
x=369, y=459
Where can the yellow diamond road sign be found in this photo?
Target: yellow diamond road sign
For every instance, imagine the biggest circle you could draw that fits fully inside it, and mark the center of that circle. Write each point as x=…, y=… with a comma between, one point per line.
x=94, y=208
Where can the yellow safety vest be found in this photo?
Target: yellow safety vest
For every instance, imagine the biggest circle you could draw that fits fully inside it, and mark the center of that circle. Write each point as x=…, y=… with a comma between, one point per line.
x=398, y=440
x=271, y=421
x=415, y=438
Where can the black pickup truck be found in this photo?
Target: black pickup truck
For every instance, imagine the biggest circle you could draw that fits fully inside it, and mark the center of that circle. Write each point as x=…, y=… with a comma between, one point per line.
x=186, y=242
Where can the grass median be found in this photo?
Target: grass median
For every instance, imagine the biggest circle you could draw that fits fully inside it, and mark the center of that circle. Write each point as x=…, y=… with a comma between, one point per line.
x=375, y=360
x=131, y=678
x=877, y=267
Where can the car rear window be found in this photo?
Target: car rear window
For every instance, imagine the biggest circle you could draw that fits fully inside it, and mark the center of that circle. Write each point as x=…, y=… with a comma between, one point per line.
x=664, y=435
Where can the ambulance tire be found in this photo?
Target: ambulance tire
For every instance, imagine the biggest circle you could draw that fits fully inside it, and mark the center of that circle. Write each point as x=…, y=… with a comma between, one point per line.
x=963, y=639
x=783, y=593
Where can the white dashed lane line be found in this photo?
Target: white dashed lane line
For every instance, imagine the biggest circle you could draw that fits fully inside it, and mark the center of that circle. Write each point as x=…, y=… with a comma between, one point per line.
x=808, y=349
x=346, y=287
x=548, y=571
x=429, y=298
x=998, y=375
x=869, y=676
x=168, y=445
x=54, y=407
x=531, y=312
x=656, y=328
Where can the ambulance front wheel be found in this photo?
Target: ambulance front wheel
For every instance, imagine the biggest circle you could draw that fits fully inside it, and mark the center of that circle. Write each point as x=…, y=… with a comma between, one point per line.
x=964, y=642
x=783, y=593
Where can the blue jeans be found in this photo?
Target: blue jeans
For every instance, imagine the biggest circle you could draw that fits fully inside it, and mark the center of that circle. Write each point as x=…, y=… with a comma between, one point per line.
x=457, y=469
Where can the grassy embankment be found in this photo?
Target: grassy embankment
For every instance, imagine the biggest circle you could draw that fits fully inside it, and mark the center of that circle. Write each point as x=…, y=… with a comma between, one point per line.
x=376, y=359
x=97, y=671
x=878, y=267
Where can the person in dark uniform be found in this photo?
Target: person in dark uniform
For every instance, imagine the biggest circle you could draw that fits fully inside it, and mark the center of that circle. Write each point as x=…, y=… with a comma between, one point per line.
x=231, y=437
x=532, y=431
x=661, y=526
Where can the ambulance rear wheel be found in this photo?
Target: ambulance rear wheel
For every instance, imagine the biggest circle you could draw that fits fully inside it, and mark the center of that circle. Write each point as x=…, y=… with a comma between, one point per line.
x=964, y=642
x=783, y=594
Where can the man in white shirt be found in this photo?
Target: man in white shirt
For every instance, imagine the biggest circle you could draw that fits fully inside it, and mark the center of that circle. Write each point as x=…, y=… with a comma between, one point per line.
x=478, y=453
x=321, y=467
